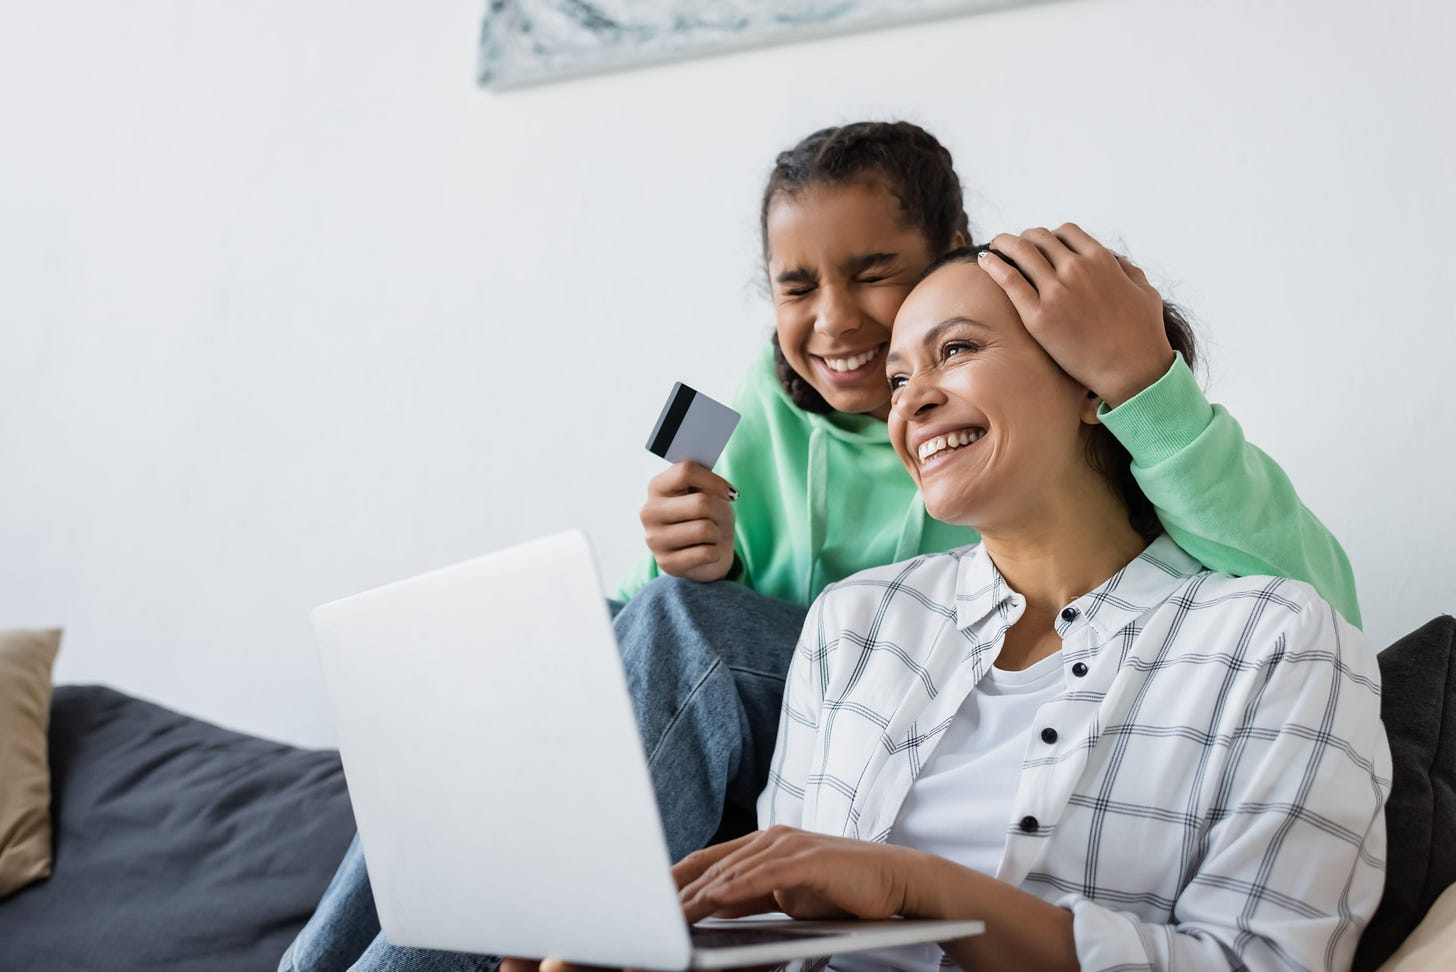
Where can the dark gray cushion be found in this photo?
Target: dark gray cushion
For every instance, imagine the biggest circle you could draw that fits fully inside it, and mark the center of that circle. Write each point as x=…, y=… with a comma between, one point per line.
x=1418, y=706
x=178, y=845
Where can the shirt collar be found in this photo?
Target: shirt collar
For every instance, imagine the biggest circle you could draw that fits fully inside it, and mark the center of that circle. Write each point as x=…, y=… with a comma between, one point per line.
x=980, y=589
x=1147, y=581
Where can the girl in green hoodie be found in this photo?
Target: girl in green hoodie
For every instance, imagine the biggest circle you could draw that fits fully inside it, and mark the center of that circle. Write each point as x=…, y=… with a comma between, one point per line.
x=809, y=489
x=851, y=216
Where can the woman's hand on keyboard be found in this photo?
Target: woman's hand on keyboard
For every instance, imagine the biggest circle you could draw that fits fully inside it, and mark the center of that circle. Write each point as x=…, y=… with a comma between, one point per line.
x=802, y=874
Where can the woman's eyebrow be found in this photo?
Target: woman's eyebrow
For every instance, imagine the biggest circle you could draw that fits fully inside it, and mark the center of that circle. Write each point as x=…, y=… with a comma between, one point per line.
x=934, y=334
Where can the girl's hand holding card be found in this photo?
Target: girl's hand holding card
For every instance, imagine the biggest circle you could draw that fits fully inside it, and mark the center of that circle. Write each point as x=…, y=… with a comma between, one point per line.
x=688, y=517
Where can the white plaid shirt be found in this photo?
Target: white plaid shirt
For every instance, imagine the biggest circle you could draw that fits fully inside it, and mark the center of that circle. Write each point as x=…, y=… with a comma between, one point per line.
x=1213, y=793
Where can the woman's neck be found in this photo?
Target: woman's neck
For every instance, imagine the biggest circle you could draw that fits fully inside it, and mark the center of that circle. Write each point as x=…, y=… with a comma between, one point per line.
x=1066, y=550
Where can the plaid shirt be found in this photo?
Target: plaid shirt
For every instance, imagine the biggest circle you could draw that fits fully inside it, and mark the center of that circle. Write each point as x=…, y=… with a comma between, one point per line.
x=1212, y=795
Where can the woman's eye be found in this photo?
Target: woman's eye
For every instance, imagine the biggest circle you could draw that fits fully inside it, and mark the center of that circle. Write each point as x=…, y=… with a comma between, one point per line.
x=952, y=348
x=897, y=382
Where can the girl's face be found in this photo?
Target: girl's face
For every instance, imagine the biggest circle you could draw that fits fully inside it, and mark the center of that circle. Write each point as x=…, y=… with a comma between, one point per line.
x=988, y=425
x=841, y=260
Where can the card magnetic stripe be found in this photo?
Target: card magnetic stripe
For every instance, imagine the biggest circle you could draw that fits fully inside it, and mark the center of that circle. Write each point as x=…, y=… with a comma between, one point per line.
x=672, y=419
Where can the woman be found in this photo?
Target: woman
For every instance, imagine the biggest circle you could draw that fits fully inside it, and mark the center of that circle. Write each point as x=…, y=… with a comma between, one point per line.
x=1073, y=731
x=851, y=216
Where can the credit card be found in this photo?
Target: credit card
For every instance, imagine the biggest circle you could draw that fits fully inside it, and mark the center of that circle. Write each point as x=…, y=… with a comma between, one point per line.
x=691, y=428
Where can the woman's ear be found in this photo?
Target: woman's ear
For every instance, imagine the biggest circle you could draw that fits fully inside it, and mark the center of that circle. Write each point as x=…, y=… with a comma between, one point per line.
x=1090, y=406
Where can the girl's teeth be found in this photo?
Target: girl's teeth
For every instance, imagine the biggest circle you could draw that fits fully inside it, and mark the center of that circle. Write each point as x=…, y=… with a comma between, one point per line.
x=850, y=364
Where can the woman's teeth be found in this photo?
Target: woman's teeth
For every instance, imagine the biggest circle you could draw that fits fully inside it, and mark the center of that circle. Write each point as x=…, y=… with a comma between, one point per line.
x=852, y=362
x=954, y=440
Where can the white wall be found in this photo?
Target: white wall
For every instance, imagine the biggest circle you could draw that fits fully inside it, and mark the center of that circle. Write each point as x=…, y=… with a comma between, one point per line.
x=289, y=308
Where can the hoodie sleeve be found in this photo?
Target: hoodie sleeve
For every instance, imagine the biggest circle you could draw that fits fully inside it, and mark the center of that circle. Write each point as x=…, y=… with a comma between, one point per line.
x=1221, y=498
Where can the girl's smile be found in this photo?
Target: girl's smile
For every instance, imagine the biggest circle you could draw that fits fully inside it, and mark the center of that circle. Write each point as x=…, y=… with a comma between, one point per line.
x=849, y=368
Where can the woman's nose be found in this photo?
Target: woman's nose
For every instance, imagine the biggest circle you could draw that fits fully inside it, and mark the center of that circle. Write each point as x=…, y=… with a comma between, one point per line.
x=918, y=397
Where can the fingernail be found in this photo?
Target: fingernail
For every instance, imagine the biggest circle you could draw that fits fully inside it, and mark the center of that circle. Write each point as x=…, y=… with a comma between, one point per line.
x=732, y=494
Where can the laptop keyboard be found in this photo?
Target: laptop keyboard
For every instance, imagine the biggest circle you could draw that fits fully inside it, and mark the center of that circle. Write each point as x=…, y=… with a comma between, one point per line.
x=716, y=937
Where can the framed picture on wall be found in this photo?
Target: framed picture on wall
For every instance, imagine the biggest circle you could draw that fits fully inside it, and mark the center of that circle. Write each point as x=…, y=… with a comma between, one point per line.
x=531, y=41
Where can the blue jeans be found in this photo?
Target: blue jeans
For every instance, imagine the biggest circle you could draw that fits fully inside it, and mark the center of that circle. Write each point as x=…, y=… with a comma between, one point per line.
x=705, y=667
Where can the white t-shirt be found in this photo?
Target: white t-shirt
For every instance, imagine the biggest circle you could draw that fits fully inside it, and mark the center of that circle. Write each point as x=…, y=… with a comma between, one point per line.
x=960, y=805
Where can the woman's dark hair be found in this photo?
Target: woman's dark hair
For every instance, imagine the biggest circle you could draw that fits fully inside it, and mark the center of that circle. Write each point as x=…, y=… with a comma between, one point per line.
x=1104, y=453
x=916, y=168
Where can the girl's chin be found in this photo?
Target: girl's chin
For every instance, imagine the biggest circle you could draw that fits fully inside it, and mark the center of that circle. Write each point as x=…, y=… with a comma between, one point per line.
x=857, y=401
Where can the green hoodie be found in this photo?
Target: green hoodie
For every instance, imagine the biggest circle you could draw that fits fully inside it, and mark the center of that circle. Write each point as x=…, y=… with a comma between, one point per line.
x=824, y=496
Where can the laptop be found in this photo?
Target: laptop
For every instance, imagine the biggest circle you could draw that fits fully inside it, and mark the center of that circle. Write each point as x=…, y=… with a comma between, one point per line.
x=499, y=782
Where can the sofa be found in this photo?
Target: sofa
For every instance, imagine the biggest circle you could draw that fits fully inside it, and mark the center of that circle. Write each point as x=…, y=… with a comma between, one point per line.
x=179, y=845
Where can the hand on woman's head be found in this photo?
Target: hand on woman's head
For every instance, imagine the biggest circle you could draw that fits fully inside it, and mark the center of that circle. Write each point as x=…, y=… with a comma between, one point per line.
x=1093, y=310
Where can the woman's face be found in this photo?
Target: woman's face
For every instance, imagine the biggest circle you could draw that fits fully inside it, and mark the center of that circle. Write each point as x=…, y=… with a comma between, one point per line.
x=985, y=421
x=841, y=260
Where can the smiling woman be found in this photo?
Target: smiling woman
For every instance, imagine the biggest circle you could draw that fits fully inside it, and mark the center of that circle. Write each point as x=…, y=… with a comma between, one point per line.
x=977, y=347
x=969, y=734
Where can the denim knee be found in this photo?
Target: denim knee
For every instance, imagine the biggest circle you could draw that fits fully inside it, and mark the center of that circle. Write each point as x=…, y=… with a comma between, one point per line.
x=665, y=653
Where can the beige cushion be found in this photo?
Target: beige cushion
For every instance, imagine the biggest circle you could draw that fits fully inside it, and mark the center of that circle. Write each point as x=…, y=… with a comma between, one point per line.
x=26, y=658
x=1432, y=946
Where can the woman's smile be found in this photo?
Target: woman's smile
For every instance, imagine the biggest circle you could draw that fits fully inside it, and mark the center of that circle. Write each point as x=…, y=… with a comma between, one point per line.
x=934, y=448
x=982, y=417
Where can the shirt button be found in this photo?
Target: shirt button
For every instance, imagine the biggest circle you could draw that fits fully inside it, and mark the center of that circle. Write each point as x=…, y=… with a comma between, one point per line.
x=1079, y=669
x=1029, y=825
x=1069, y=614
x=1048, y=735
